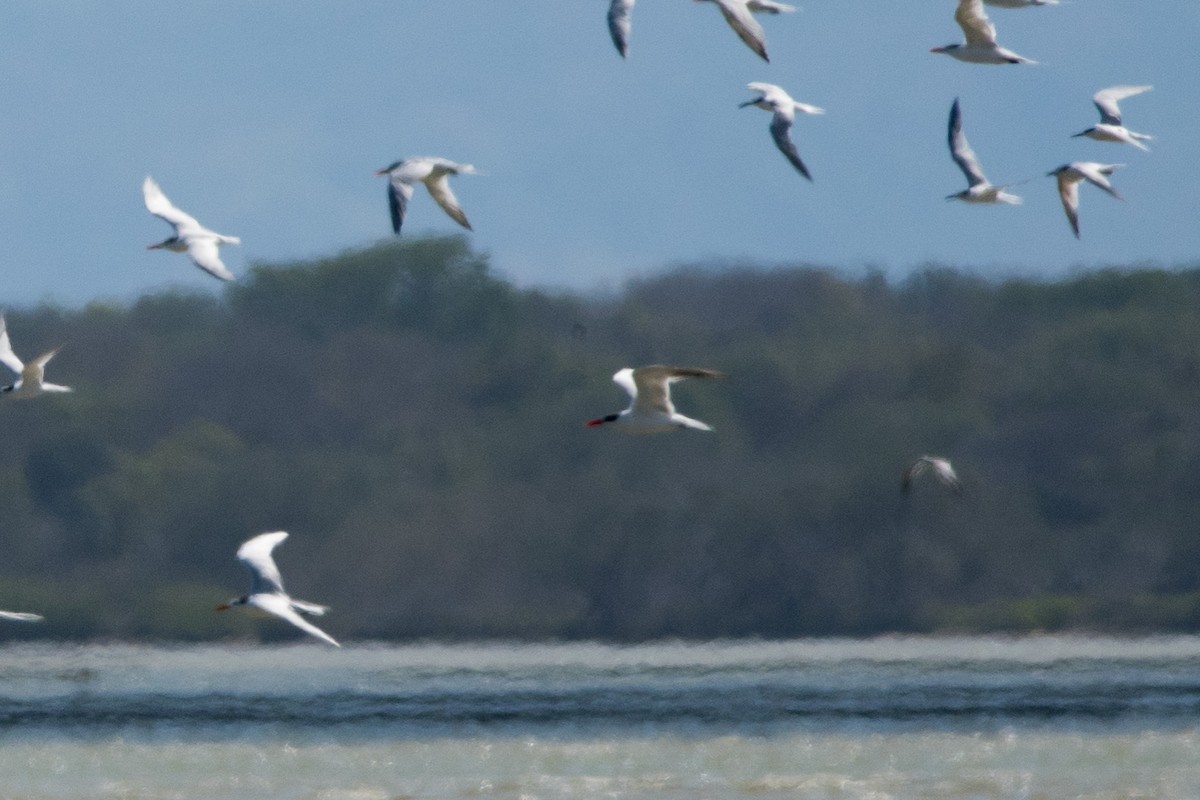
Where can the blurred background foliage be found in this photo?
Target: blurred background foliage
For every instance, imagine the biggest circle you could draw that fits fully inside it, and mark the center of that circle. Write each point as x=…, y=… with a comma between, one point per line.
x=416, y=423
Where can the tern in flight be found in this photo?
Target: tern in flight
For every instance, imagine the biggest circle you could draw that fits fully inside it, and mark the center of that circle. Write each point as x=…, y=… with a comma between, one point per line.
x=650, y=409
x=940, y=467
x=980, y=33
x=1110, y=127
x=435, y=174
x=31, y=382
x=979, y=189
x=266, y=587
x=774, y=99
x=738, y=14
x=1069, y=176
x=190, y=237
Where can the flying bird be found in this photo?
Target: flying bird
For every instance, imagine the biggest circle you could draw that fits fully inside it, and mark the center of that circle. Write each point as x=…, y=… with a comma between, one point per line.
x=435, y=174
x=1110, y=127
x=31, y=382
x=21, y=616
x=650, y=409
x=266, y=586
x=940, y=467
x=190, y=237
x=774, y=99
x=738, y=14
x=979, y=189
x=980, y=33
x=1069, y=176
x=620, y=24
x=1019, y=3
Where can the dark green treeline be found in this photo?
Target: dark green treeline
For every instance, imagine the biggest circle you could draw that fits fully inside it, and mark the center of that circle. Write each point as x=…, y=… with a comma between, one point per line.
x=416, y=423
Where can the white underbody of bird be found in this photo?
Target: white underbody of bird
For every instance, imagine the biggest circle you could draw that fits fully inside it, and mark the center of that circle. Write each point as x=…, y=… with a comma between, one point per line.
x=650, y=408
x=980, y=190
x=31, y=380
x=980, y=46
x=1110, y=128
x=783, y=110
x=201, y=244
x=266, y=594
x=435, y=174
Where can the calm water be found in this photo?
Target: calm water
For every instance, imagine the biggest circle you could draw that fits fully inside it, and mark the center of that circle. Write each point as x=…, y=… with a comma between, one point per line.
x=887, y=719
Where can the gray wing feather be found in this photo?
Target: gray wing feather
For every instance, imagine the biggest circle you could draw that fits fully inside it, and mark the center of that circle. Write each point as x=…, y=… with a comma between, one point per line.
x=399, y=193
x=781, y=127
x=620, y=24
x=962, y=153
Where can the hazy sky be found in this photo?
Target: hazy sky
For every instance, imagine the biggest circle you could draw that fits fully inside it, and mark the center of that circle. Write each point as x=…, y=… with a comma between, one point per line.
x=265, y=119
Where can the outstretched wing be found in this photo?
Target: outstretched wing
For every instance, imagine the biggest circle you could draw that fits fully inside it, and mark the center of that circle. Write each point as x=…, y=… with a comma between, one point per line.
x=1097, y=175
x=976, y=27
x=1068, y=192
x=653, y=384
x=158, y=205
x=620, y=24
x=439, y=188
x=768, y=6
x=7, y=356
x=399, y=193
x=1106, y=101
x=255, y=555
x=281, y=606
x=745, y=26
x=781, y=126
x=960, y=151
x=204, y=253
x=35, y=371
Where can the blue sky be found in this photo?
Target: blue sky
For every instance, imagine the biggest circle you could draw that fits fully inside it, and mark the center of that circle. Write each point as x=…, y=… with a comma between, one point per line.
x=266, y=119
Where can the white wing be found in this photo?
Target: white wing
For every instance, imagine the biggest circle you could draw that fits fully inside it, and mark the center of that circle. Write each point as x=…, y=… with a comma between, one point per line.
x=1106, y=101
x=21, y=616
x=205, y=254
x=744, y=25
x=35, y=370
x=281, y=606
x=768, y=6
x=1068, y=192
x=620, y=24
x=653, y=384
x=976, y=26
x=7, y=356
x=624, y=379
x=158, y=205
x=1096, y=174
x=962, y=153
x=775, y=95
x=439, y=188
x=255, y=554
